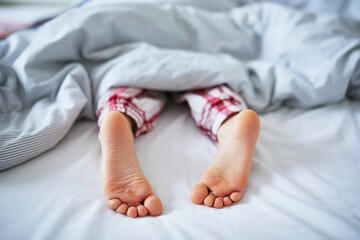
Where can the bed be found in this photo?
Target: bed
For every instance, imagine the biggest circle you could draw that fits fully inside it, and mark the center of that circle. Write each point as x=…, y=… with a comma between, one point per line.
x=304, y=182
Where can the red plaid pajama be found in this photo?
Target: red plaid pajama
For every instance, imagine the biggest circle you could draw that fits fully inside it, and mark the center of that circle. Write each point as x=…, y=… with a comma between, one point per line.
x=209, y=107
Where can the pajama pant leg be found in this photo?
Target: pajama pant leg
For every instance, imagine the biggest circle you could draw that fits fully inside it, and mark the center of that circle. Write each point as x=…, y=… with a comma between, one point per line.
x=143, y=106
x=211, y=106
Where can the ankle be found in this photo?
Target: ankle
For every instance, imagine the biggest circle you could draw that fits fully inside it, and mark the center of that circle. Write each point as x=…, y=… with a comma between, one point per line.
x=115, y=134
x=225, y=127
x=115, y=121
x=247, y=120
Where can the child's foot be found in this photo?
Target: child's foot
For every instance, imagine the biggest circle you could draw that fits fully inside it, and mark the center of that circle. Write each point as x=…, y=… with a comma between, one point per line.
x=125, y=186
x=224, y=181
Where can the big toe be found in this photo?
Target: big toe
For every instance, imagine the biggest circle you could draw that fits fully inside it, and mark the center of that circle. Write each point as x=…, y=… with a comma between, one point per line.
x=153, y=205
x=199, y=193
x=236, y=196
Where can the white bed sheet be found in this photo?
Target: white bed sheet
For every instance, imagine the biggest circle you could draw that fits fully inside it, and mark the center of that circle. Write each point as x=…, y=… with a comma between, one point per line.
x=304, y=183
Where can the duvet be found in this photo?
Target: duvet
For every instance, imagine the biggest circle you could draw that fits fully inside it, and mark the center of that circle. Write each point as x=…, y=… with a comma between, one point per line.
x=271, y=54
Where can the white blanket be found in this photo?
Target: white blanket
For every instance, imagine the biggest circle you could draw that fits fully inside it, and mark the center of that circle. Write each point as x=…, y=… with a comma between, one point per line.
x=304, y=183
x=270, y=54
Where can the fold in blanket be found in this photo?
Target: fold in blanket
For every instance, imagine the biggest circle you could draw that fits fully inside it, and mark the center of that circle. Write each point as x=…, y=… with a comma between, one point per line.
x=271, y=55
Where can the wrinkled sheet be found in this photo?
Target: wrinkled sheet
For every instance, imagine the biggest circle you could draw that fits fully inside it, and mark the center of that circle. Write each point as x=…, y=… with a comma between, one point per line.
x=304, y=183
x=272, y=55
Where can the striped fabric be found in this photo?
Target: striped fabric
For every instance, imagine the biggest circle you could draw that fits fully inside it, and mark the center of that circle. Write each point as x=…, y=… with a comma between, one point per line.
x=209, y=107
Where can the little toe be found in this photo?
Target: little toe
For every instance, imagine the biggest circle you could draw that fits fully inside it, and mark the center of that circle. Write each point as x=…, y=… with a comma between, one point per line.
x=199, y=193
x=113, y=203
x=236, y=196
x=122, y=209
x=227, y=201
x=132, y=212
x=209, y=200
x=153, y=205
x=142, y=211
x=218, y=203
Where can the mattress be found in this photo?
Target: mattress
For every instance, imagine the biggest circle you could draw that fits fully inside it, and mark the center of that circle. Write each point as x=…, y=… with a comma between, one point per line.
x=304, y=182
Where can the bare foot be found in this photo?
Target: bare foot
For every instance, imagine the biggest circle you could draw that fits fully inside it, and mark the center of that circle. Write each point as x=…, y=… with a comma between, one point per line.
x=125, y=186
x=224, y=181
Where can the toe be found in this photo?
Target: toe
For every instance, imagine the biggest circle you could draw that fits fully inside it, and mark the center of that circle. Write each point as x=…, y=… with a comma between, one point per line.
x=236, y=196
x=132, y=212
x=199, y=193
x=113, y=203
x=142, y=211
x=227, y=201
x=153, y=205
x=209, y=200
x=218, y=203
x=122, y=209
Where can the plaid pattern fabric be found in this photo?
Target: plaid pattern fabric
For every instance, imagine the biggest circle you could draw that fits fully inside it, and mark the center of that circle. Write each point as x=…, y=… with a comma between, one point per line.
x=143, y=106
x=209, y=107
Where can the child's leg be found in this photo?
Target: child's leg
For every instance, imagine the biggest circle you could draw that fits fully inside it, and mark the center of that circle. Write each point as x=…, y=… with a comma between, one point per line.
x=222, y=115
x=122, y=113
